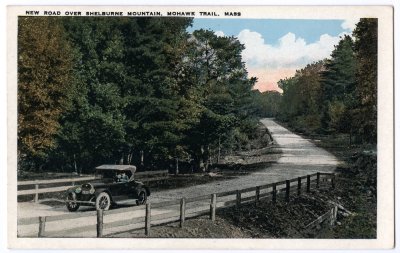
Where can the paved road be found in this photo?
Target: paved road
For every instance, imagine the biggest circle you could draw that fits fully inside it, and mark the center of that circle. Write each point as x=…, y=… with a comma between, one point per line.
x=299, y=157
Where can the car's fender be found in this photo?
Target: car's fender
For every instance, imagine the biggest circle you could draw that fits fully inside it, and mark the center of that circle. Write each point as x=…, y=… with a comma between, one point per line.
x=139, y=187
x=147, y=189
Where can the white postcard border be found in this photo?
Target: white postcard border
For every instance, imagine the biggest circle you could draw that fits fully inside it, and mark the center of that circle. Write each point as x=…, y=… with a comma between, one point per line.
x=385, y=229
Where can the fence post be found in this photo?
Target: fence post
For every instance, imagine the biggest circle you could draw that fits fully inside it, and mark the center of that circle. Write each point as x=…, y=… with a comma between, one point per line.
x=333, y=180
x=274, y=193
x=148, y=219
x=308, y=183
x=182, y=216
x=335, y=212
x=287, y=195
x=42, y=226
x=213, y=206
x=299, y=186
x=238, y=198
x=99, y=223
x=257, y=195
x=36, y=193
x=318, y=178
x=332, y=219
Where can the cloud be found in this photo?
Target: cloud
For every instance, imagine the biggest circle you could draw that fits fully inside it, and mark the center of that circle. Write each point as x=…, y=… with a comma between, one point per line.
x=290, y=52
x=271, y=62
x=219, y=33
x=350, y=24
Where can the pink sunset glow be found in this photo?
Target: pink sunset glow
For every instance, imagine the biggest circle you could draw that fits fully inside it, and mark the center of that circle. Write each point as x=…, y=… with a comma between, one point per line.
x=268, y=78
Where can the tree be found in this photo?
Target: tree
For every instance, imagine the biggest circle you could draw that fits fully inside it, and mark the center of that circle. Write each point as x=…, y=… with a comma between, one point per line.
x=366, y=47
x=144, y=91
x=302, y=98
x=337, y=95
x=44, y=81
x=222, y=90
x=126, y=93
x=266, y=104
x=289, y=102
x=93, y=129
x=339, y=76
x=156, y=103
x=339, y=82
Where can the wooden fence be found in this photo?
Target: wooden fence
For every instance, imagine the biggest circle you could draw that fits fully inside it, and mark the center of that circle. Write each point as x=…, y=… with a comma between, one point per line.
x=147, y=176
x=330, y=216
x=178, y=210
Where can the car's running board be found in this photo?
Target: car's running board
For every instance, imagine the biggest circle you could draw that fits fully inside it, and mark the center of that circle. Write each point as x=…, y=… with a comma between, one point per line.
x=80, y=202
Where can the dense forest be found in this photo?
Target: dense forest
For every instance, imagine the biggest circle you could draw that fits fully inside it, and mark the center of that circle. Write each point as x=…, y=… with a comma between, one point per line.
x=144, y=91
x=128, y=91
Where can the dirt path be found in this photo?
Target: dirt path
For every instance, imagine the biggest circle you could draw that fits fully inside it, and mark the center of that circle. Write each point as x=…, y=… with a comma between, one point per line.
x=299, y=157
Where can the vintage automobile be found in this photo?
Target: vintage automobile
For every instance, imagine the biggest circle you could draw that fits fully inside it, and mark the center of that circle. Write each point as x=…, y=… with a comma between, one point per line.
x=113, y=183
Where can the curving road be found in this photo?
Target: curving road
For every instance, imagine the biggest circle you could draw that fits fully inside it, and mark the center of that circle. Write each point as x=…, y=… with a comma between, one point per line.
x=299, y=157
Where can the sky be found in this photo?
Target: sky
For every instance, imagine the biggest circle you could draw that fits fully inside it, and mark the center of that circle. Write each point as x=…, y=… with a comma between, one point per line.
x=276, y=48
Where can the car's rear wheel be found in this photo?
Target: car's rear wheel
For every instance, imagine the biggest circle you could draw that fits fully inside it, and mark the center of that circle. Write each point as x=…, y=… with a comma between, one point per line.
x=72, y=205
x=142, y=198
x=103, y=201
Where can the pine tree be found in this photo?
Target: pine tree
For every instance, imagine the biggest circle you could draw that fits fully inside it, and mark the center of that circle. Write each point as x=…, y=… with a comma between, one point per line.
x=338, y=81
x=366, y=48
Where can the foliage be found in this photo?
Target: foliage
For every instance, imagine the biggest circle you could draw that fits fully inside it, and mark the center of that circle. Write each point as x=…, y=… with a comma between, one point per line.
x=215, y=69
x=302, y=98
x=143, y=91
x=44, y=81
x=366, y=47
x=339, y=82
x=337, y=95
x=266, y=103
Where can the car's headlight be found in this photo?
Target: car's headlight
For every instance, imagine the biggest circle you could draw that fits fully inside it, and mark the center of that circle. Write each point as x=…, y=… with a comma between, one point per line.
x=78, y=190
x=91, y=191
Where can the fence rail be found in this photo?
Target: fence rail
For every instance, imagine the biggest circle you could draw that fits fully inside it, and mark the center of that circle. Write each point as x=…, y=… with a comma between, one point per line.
x=78, y=179
x=145, y=176
x=55, y=181
x=331, y=216
x=179, y=210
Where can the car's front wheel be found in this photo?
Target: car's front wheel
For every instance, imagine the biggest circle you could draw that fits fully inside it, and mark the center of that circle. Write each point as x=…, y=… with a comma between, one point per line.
x=72, y=206
x=103, y=201
x=142, y=198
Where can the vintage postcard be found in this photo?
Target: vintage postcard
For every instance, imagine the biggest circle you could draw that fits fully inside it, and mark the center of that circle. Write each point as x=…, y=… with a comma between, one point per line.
x=248, y=127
